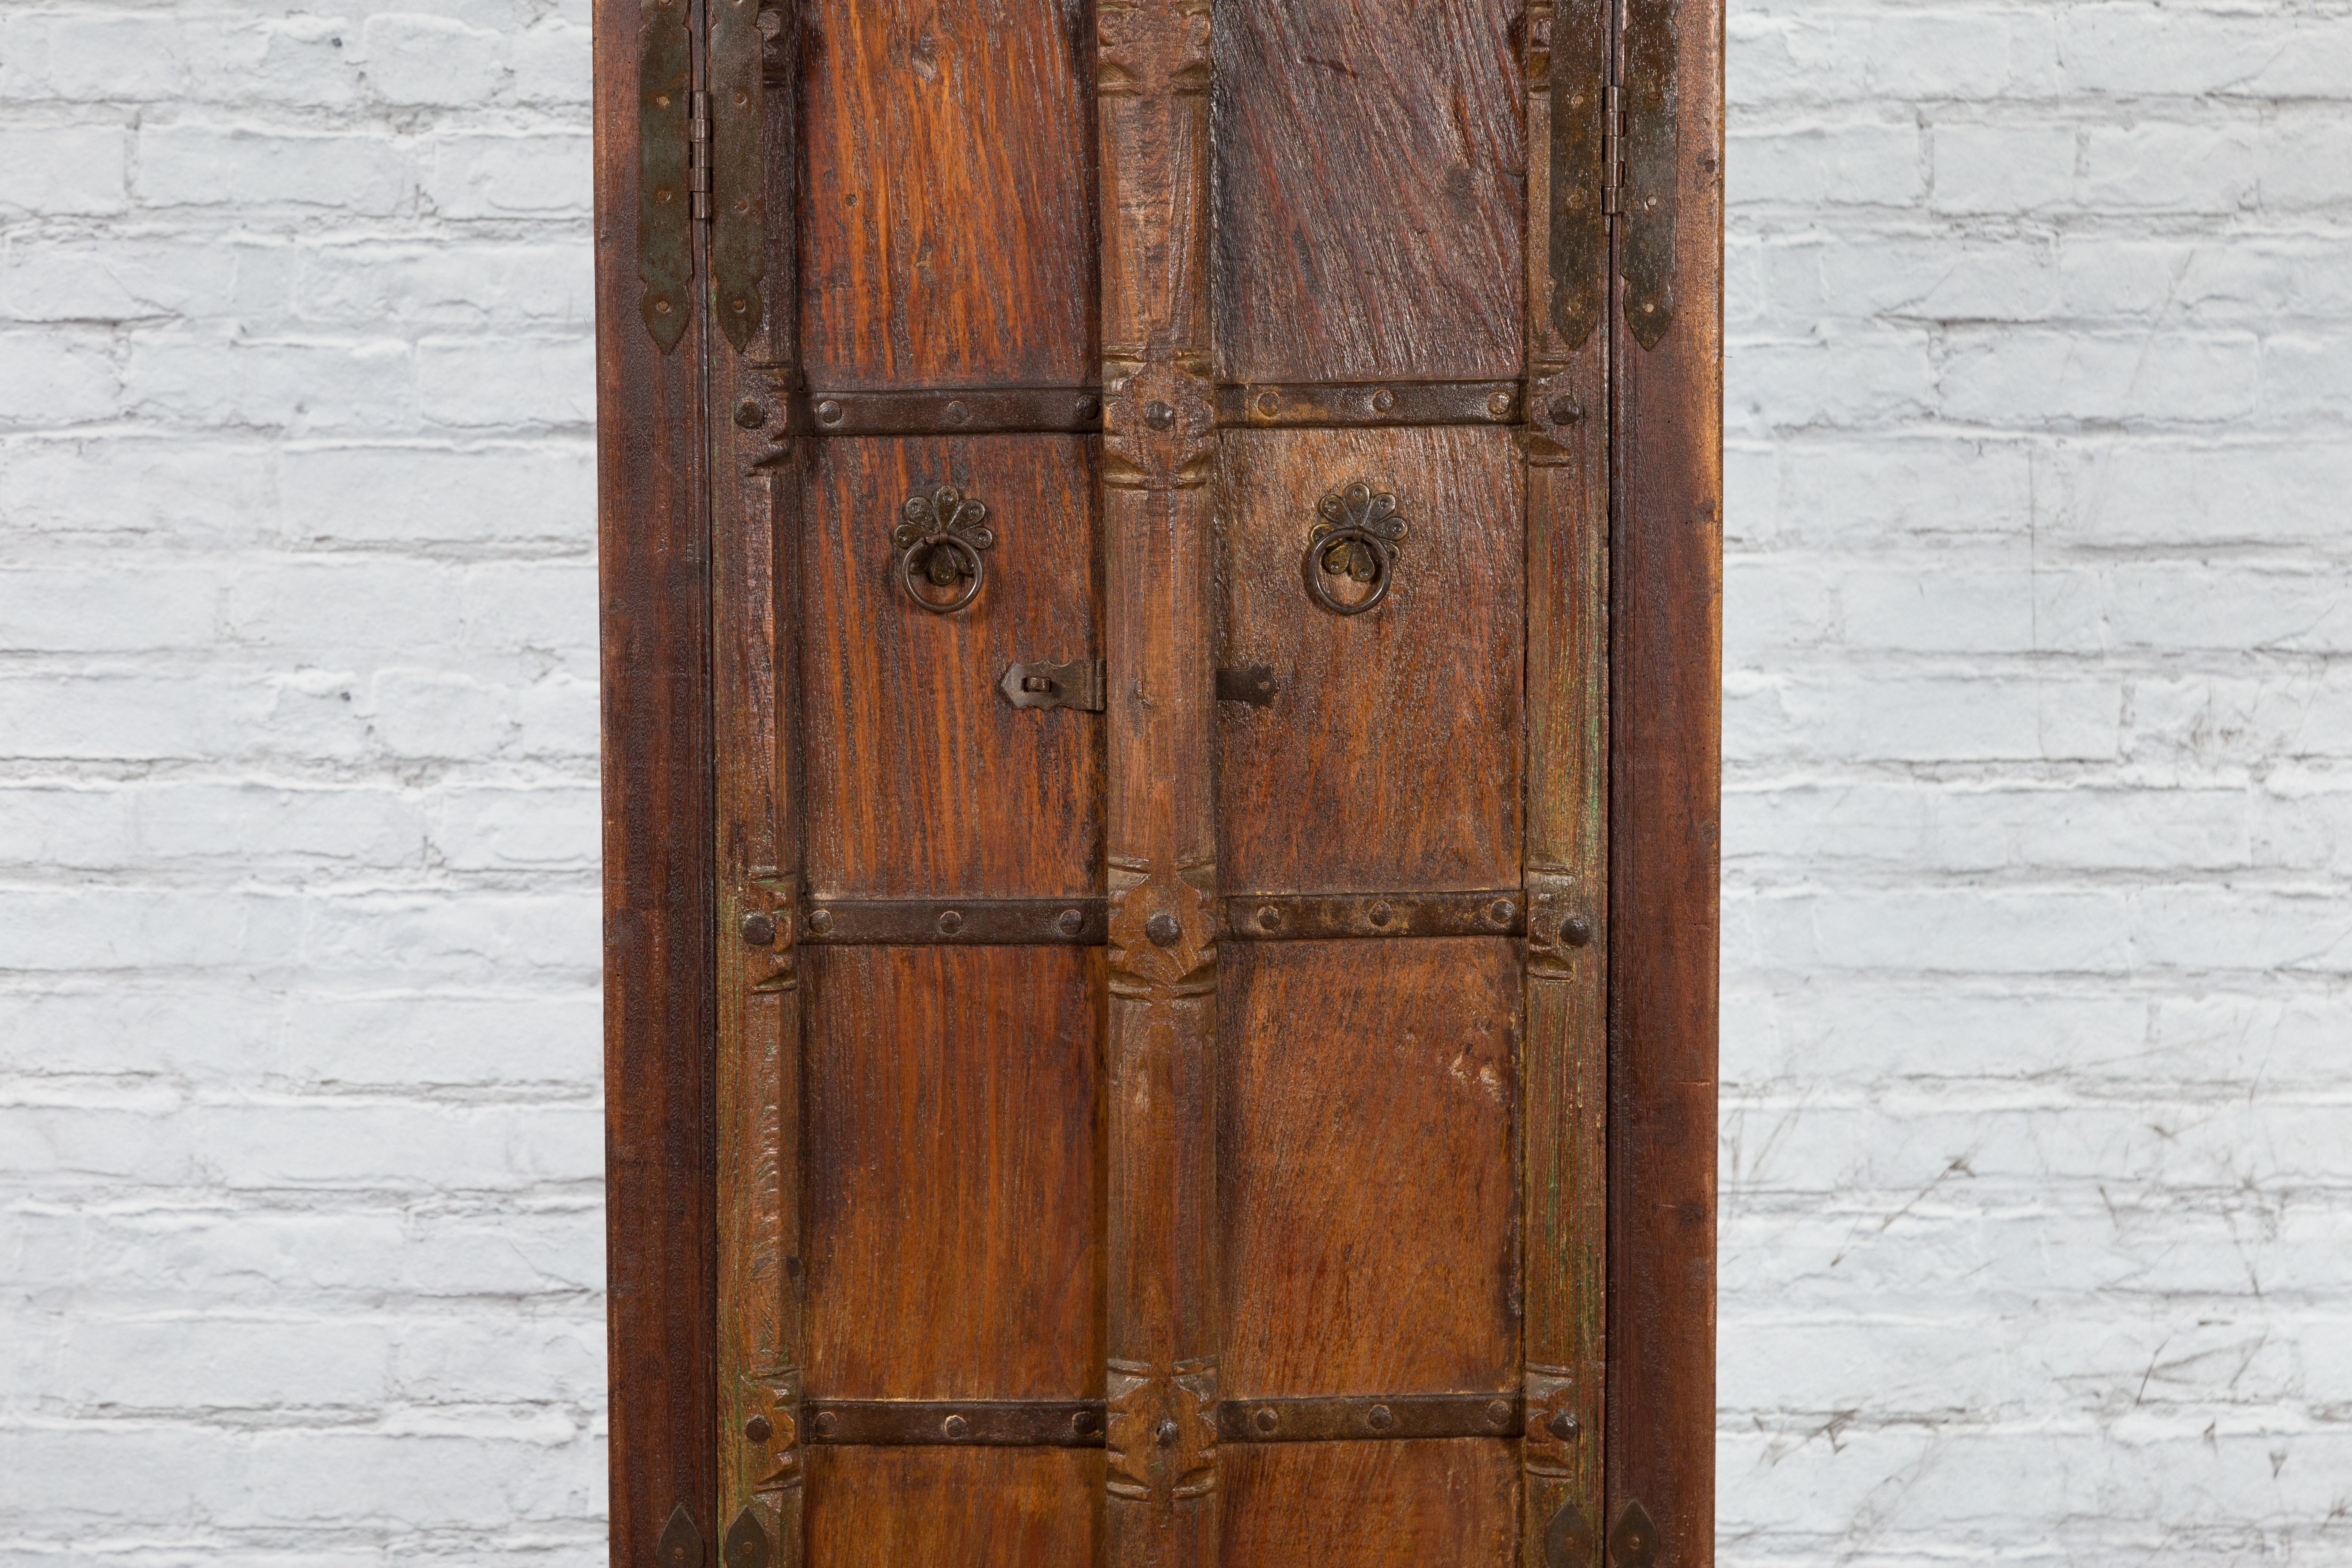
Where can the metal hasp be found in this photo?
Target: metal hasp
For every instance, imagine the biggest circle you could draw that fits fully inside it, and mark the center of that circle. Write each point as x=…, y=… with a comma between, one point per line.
x=1077, y=684
x=1648, y=201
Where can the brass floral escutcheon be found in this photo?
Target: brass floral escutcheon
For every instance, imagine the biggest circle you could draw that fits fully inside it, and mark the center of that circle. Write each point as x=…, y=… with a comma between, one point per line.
x=940, y=541
x=1354, y=539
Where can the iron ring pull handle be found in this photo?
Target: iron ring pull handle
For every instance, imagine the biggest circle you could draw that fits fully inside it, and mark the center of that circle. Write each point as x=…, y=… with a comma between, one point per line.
x=941, y=537
x=1355, y=537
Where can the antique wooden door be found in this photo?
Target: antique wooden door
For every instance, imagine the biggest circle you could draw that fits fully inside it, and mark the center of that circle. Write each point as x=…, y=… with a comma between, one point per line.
x=1160, y=592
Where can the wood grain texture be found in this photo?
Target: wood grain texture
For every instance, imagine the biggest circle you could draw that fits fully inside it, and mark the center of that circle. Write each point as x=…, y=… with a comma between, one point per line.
x=1389, y=757
x=655, y=605
x=1369, y=159
x=949, y=237
x=1565, y=1088
x=922, y=780
x=1367, y=1214
x=1159, y=445
x=1372, y=1505
x=954, y=1204
x=954, y=1508
x=1665, y=729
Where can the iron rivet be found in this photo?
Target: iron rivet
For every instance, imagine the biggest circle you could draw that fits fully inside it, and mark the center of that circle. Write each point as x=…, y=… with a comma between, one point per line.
x=827, y=1423
x=1070, y=921
x=758, y=1430
x=739, y=306
x=1498, y=1412
x=742, y=203
x=1565, y=411
x=1162, y=929
x=957, y=412
x=1646, y=308
x=1269, y=918
x=1158, y=416
x=951, y=923
x=661, y=307
x=750, y=413
x=829, y=411
x=1562, y=1425
x=1265, y=1420
x=1089, y=407
x=1499, y=405
x=820, y=921
x=1383, y=400
x=1381, y=1418
x=1167, y=1432
x=760, y=928
x=1500, y=911
x=1083, y=1422
x=741, y=98
x=955, y=1427
x=661, y=193
x=1379, y=914
x=1268, y=402
x=1577, y=928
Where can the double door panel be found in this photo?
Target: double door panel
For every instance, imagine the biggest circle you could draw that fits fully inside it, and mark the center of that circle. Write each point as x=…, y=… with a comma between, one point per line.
x=1046, y=1235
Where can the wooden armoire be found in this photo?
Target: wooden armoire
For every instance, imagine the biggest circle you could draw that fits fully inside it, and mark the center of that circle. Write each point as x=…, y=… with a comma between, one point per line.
x=1160, y=577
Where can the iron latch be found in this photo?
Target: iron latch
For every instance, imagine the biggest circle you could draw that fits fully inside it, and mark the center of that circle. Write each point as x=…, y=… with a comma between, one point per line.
x=1077, y=684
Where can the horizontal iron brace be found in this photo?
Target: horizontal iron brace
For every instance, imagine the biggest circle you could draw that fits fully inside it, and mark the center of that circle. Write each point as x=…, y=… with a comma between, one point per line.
x=1080, y=1423
x=1077, y=410
x=1084, y=919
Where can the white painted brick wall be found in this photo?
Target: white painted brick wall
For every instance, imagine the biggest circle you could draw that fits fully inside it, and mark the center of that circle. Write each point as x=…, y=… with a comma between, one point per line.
x=2037, y=1188
x=2037, y=1239
x=300, y=1240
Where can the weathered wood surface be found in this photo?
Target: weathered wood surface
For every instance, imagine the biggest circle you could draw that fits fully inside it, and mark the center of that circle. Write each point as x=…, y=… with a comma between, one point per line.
x=659, y=1019
x=1665, y=708
x=1370, y=166
x=1390, y=756
x=1162, y=1496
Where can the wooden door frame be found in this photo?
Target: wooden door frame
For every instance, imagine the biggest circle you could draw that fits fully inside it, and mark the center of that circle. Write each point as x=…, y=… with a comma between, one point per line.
x=661, y=875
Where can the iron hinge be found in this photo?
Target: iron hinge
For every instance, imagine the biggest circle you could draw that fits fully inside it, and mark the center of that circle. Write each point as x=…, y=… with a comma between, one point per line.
x=698, y=154
x=1613, y=148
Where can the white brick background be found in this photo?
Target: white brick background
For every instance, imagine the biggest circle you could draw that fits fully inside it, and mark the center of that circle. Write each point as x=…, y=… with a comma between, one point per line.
x=2038, y=1083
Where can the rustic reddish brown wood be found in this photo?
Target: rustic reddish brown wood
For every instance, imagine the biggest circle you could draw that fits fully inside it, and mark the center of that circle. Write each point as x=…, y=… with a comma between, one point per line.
x=1362, y=1165
x=954, y=1508
x=1159, y=459
x=1389, y=757
x=1372, y=1505
x=1369, y=191
x=954, y=1190
x=949, y=237
x=1665, y=659
x=651, y=522
x=1565, y=1122
x=1366, y=1093
x=918, y=768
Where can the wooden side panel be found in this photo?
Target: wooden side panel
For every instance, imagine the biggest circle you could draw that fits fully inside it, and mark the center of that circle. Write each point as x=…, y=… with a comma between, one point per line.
x=1372, y=1505
x=1565, y=1176
x=954, y=1189
x=954, y=1508
x=922, y=779
x=949, y=237
x=1370, y=155
x=1389, y=757
x=1367, y=1100
x=1666, y=695
x=655, y=603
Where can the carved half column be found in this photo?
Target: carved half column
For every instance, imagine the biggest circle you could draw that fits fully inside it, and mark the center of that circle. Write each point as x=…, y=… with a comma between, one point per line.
x=1158, y=462
x=1572, y=190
